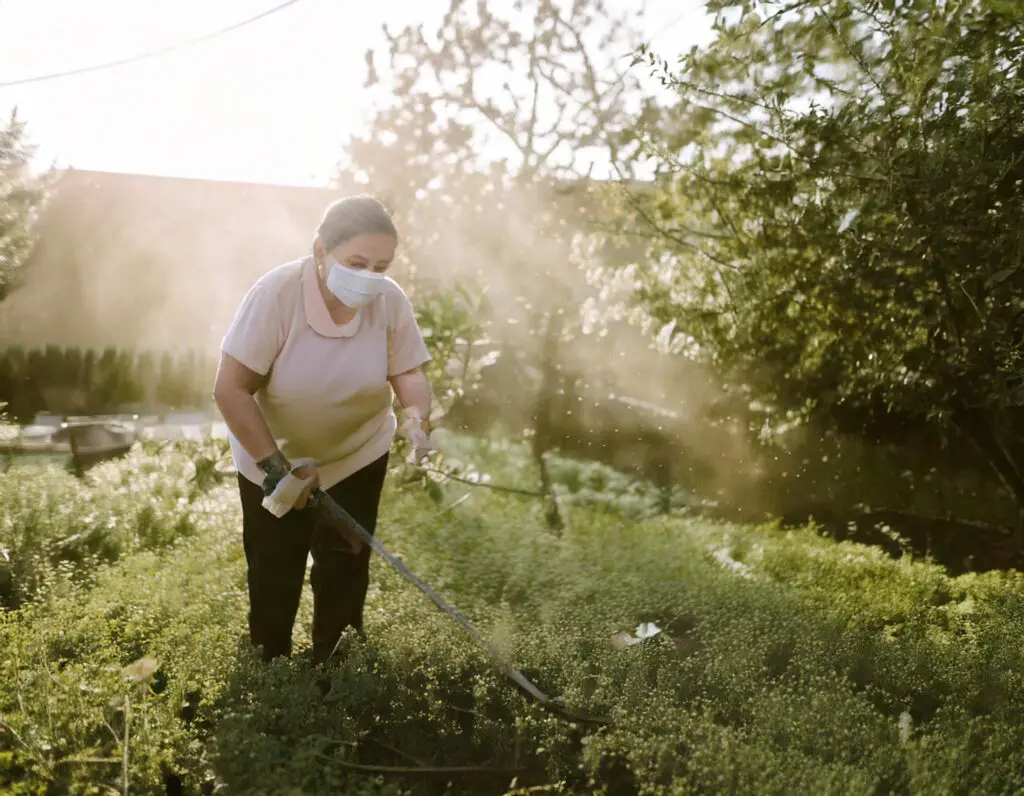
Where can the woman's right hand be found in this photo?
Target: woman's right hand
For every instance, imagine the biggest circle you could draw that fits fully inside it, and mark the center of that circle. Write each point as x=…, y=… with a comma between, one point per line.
x=304, y=472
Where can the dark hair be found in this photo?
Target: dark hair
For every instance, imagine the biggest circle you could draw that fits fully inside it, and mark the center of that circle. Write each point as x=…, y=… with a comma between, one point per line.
x=346, y=218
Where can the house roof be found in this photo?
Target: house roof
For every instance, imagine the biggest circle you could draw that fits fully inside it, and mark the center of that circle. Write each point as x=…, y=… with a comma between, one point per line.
x=132, y=259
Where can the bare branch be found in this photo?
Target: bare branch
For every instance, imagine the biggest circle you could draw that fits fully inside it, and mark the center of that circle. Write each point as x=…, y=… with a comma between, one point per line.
x=532, y=128
x=588, y=66
x=488, y=112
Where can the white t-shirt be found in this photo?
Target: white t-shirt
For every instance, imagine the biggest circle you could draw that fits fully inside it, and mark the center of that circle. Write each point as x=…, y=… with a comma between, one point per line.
x=328, y=396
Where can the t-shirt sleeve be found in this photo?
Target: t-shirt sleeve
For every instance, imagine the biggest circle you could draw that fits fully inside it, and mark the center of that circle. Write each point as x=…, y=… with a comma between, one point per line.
x=406, y=347
x=257, y=332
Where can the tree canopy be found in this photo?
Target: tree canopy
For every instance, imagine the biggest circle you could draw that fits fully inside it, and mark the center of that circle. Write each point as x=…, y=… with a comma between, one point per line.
x=838, y=223
x=21, y=196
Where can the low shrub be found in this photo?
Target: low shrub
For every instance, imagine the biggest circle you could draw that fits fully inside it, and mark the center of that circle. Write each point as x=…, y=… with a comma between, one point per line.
x=54, y=526
x=785, y=663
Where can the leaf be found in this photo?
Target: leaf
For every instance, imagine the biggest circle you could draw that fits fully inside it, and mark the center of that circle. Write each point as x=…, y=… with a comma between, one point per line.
x=847, y=220
x=644, y=631
x=1001, y=276
x=141, y=670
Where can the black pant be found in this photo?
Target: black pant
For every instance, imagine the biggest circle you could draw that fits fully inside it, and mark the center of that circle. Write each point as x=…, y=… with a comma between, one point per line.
x=276, y=551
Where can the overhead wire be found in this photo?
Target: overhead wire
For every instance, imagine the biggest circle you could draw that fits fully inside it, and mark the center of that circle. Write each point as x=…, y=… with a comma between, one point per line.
x=150, y=54
x=668, y=26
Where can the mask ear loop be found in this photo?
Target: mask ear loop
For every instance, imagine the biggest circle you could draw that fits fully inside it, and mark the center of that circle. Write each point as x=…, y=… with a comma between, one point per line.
x=319, y=263
x=321, y=267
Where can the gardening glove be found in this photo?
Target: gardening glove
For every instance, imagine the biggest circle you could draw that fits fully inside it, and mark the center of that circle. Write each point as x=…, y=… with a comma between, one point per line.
x=415, y=430
x=294, y=489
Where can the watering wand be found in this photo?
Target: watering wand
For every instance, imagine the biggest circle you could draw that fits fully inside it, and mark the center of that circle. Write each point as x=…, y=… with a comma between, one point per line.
x=358, y=537
x=352, y=530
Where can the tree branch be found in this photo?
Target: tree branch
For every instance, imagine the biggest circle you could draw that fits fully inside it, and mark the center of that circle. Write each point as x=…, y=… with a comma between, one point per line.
x=491, y=114
x=785, y=10
x=420, y=769
x=855, y=56
x=672, y=236
x=531, y=130
x=5, y=726
x=588, y=67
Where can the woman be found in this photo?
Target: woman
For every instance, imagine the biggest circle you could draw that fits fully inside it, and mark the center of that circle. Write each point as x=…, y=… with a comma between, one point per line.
x=307, y=370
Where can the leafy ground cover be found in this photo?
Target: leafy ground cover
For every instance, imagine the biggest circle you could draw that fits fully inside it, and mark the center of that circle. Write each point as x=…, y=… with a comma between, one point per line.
x=786, y=663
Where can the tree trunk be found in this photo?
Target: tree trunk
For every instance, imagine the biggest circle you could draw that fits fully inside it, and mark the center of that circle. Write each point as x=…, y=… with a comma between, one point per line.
x=543, y=420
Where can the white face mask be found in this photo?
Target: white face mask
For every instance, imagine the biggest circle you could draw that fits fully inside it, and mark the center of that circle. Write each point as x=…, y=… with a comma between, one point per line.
x=354, y=288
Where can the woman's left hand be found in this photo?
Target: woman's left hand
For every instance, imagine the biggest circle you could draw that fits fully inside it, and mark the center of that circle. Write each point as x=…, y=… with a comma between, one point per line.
x=419, y=440
x=417, y=431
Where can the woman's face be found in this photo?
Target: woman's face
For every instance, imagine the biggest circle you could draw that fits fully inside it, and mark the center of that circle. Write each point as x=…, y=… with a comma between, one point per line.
x=374, y=252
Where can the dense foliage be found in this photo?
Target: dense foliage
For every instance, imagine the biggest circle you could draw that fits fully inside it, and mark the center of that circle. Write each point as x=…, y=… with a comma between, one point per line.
x=786, y=663
x=71, y=380
x=21, y=195
x=837, y=219
x=802, y=247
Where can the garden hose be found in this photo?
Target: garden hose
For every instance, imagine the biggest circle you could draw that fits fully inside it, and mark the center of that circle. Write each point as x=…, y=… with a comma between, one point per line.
x=350, y=529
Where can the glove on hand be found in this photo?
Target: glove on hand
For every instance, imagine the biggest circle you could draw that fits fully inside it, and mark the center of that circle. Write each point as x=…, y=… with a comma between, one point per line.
x=412, y=429
x=289, y=489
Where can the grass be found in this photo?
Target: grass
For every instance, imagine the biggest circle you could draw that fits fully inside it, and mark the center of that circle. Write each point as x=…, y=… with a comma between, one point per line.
x=787, y=663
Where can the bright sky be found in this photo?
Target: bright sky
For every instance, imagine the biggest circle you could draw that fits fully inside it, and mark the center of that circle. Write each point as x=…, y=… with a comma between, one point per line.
x=270, y=102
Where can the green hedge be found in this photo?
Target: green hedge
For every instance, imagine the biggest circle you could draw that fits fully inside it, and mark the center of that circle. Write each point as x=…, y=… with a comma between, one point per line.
x=68, y=379
x=788, y=663
x=74, y=380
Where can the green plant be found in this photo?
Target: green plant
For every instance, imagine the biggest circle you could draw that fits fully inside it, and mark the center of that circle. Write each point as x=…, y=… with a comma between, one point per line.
x=817, y=666
x=834, y=228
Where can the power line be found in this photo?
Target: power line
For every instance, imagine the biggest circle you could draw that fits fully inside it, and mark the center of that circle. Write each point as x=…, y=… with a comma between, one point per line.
x=151, y=53
x=667, y=26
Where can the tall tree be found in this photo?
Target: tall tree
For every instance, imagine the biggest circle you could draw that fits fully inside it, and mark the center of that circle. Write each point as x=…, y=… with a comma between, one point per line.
x=87, y=378
x=477, y=126
x=148, y=378
x=107, y=380
x=21, y=198
x=839, y=221
x=481, y=136
x=130, y=390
